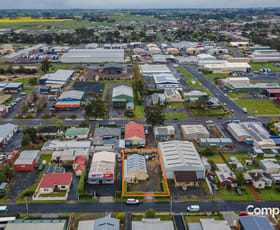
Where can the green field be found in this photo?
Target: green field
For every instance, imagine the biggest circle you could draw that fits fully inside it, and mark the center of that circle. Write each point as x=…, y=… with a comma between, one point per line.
x=210, y=112
x=228, y=195
x=175, y=115
x=139, y=112
x=177, y=106
x=258, y=66
x=185, y=72
x=261, y=107
x=25, y=80
x=196, y=85
x=216, y=158
x=236, y=95
x=269, y=194
x=216, y=75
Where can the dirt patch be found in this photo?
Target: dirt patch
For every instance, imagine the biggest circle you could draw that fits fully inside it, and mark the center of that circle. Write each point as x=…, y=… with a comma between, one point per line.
x=153, y=184
x=254, y=192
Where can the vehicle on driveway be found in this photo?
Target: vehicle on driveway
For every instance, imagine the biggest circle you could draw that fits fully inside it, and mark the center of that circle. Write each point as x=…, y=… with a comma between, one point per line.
x=68, y=119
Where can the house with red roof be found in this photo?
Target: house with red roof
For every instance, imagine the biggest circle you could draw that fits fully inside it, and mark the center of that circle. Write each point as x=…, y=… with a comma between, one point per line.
x=135, y=134
x=79, y=165
x=53, y=186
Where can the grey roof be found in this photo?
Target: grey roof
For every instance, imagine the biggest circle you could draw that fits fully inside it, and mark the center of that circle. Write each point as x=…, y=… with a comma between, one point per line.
x=60, y=75
x=107, y=132
x=136, y=162
x=165, y=79
x=152, y=224
x=194, y=226
x=255, y=223
x=122, y=90
x=6, y=130
x=212, y=224
x=27, y=156
x=53, y=169
x=76, y=94
x=157, y=96
x=107, y=223
x=179, y=153
x=36, y=224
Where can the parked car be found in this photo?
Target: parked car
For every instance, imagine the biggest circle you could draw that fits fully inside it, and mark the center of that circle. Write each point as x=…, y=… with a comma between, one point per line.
x=3, y=209
x=239, y=191
x=243, y=214
x=215, y=187
x=132, y=201
x=68, y=119
x=193, y=208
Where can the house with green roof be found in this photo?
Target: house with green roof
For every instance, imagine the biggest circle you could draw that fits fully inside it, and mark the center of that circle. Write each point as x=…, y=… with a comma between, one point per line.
x=77, y=133
x=122, y=97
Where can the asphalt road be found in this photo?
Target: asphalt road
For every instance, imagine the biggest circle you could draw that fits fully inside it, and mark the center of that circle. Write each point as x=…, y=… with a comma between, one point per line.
x=122, y=207
x=238, y=112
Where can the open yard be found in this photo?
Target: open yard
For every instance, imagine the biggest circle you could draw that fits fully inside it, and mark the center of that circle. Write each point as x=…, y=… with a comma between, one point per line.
x=216, y=158
x=258, y=66
x=175, y=115
x=231, y=195
x=270, y=194
x=210, y=112
x=139, y=112
x=197, y=84
x=259, y=107
x=236, y=95
x=177, y=106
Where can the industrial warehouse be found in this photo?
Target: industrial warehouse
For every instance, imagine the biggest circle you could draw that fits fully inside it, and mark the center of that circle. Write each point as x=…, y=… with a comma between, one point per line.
x=93, y=56
x=70, y=100
x=60, y=77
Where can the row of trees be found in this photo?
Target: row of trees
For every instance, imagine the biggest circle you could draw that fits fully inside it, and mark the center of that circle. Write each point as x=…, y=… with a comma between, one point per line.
x=20, y=70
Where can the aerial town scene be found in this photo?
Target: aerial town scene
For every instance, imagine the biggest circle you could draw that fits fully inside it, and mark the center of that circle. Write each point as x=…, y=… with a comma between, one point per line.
x=151, y=115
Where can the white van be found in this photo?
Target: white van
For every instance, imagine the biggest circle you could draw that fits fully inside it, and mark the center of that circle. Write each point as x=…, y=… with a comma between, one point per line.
x=193, y=208
x=3, y=209
x=132, y=201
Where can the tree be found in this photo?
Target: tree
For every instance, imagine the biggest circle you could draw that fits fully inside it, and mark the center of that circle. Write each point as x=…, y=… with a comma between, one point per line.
x=26, y=140
x=150, y=213
x=208, y=151
x=83, y=124
x=33, y=81
x=154, y=115
x=32, y=132
x=121, y=216
x=45, y=65
x=240, y=179
x=59, y=124
x=203, y=102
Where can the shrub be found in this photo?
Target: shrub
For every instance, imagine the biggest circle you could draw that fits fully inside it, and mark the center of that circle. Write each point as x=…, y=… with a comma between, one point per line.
x=81, y=185
x=150, y=213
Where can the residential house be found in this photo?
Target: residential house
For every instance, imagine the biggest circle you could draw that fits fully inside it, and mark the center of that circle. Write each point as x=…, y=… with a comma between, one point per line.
x=172, y=95
x=270, y=166
x=259, y=179
x=48, y=131
x=225, y=176
x=152, y=224
x=77, y=133
x=79, y=165
x=53, y=183
x=135, y=134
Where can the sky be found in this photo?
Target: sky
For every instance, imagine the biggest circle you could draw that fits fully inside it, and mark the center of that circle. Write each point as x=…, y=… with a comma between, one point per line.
x=111, y=4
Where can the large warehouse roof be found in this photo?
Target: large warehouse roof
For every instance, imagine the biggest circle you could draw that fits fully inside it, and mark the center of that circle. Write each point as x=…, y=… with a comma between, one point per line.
x=179, y=153
x=136, y=162
x=75, y=94
x=60, y=75
x=122, y=90
x=152, y=69
x=103, y=163
x=165, y=78
x=93, y=56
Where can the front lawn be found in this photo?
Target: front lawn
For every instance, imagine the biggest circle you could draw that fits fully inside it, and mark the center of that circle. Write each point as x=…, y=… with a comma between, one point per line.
x=269, y=194
x=26, y=80
x=175, y=115
x=228, y=195
x=210, y=112
x=196, y=219
x=259, y=107
x=258, y=66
